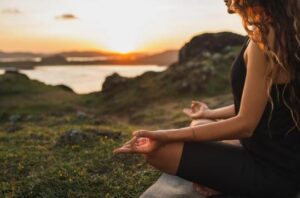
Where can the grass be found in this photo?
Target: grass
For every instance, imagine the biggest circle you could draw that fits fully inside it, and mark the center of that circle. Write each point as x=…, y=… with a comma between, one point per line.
x=34, y=164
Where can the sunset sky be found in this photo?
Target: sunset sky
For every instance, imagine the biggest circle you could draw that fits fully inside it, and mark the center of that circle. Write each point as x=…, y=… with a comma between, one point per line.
x=109, y=25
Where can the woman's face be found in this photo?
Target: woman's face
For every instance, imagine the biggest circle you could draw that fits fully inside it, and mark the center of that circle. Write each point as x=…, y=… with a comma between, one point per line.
x=228, y=4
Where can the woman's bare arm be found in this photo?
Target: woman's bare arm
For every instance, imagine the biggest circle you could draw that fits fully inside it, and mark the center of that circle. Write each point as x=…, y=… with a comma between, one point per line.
x=221, y=113
x=253, y=102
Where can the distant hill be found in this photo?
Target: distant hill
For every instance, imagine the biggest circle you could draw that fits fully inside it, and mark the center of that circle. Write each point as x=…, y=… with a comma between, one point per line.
x=19, y=55
x=23, y=59
x=164, y=58
x=19, y=93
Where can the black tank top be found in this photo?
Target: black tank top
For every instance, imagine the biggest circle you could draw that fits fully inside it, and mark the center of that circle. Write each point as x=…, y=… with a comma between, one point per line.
x=276, y=144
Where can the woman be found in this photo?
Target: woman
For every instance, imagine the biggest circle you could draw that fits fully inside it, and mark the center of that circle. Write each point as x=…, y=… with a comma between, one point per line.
x=265, y=80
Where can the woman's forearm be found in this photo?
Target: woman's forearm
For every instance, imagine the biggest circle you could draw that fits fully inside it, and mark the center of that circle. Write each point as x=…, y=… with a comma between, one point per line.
x=221, y=113
x=232, y=128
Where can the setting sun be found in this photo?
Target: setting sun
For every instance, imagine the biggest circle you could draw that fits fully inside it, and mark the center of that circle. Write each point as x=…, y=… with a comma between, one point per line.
x=108, y=25
x=121, y=45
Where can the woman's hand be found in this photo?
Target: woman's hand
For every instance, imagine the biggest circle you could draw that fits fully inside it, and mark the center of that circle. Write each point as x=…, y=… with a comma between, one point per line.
x=198, y=110
x=141, y=145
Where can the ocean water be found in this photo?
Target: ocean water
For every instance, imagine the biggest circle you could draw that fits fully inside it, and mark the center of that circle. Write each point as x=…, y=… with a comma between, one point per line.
x=85, y=79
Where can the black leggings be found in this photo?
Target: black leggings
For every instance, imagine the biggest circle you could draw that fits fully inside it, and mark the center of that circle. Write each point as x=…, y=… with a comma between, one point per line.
x=232, y=170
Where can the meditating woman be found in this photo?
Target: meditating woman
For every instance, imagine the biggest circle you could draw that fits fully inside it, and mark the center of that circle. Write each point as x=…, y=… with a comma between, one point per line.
x=265, y=116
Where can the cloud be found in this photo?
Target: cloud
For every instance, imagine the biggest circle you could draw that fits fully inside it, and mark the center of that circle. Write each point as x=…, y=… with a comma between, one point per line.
x=66, y=17
x=11, y=11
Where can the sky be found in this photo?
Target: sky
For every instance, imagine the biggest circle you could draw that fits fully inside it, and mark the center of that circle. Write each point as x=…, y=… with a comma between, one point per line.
x=109, y=25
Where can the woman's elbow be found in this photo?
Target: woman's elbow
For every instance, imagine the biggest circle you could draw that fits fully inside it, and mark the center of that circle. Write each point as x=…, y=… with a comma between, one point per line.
x=247, y=133
x=247, y=127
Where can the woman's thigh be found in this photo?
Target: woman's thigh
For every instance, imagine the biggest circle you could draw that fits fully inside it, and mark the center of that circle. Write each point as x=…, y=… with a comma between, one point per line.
x=231, y=170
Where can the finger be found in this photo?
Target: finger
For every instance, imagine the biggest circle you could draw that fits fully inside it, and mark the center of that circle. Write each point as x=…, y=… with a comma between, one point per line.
x=197, y=103
x=128, y=144
x=123, y=150
x=141, y=141
x=133, y=140
x=187, y=111
x=129, y=141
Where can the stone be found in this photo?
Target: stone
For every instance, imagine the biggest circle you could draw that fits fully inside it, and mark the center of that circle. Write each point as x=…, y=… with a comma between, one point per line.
x=113, y=81
x=169, y=186
x=15, y=118
x=72, y=137
x=207, y=43
x=81, y=115
x=65, y=88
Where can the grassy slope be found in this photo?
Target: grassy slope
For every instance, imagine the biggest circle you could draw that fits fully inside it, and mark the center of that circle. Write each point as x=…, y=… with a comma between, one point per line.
x=19, y=93
x=34, y=165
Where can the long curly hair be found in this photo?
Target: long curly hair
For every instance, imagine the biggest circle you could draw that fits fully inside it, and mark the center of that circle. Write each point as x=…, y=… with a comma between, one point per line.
x=258, y=17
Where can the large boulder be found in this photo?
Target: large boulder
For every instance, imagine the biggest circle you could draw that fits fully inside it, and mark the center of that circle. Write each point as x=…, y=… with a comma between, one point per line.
x=113, y=81
x=208, y=43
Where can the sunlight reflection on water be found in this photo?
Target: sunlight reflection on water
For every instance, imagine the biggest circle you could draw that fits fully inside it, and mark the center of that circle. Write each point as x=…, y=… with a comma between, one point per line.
x=85, y=79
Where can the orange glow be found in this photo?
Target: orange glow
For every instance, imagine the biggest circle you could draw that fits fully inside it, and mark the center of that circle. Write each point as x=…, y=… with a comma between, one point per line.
x=121, y=26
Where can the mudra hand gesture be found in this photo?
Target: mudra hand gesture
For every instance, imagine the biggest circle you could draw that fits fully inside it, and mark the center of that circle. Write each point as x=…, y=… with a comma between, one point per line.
x=198, y=110
x=143, y=142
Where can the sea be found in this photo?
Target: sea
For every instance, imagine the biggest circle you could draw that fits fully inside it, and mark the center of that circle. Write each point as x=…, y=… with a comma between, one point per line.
x=85, y=79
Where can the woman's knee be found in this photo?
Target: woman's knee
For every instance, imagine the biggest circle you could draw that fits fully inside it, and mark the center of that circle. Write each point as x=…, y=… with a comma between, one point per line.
x=166, y=158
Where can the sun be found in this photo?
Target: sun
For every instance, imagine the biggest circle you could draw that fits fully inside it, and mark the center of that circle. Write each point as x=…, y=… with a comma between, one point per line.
x=121, y=44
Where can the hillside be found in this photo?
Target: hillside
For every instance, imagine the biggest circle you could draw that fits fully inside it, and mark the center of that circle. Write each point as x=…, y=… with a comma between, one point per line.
x=200, y=72
x=54, y=143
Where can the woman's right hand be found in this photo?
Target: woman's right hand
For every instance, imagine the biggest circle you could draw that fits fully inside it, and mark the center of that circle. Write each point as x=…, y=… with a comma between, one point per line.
x=198, y=110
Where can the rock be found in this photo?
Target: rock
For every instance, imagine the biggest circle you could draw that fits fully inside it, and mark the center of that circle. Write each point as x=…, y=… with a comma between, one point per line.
x=171, y=187
x=185, y=86
x=216, y=56
x=81, y=115
x=73, y=136
x=113, y=81
x=15, y=118
x=65, y=88
x=204, y=44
